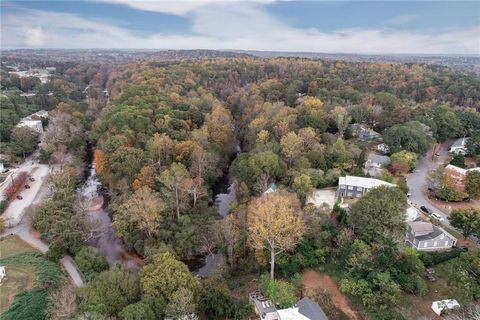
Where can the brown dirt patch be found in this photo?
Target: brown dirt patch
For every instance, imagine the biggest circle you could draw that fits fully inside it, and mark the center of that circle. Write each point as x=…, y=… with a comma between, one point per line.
x=314, y=282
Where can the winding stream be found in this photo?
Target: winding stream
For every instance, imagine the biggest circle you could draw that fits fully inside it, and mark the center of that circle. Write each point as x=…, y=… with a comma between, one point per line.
x=105, y=238
x=225, y=193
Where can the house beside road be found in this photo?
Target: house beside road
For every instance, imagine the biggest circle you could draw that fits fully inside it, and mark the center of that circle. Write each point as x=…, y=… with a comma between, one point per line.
x=425, y=236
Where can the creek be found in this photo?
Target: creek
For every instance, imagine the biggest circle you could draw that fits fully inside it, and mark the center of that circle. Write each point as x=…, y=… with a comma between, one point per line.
x=92, y=195
x=104, y=235
x=225, y=193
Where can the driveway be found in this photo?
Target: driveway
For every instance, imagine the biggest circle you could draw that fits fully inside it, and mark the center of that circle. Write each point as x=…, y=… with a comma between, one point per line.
x=417, y=180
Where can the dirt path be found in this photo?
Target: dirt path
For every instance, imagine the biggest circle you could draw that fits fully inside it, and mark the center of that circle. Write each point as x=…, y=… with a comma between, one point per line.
x=314, y=282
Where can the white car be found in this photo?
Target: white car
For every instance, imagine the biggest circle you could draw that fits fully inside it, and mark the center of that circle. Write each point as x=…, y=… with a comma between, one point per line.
x=437, y=217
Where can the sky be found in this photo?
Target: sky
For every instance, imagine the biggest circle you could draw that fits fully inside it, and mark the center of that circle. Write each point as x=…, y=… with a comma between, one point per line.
x=363, y=27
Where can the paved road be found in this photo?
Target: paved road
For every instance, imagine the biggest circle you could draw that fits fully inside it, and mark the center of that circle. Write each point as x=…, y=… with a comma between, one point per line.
x=16, y=209
x=23, y=229
x=417, y=180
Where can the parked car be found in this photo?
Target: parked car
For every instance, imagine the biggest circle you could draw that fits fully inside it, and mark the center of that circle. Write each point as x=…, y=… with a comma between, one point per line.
x=409, y=194
x=436, y=216
x=19, y=197
x=5, y=170
x=424, y=209
x=27, y=186
x=31, y=179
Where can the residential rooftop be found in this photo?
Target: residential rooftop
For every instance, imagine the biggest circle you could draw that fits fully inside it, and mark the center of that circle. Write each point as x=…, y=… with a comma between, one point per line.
x=363, y=182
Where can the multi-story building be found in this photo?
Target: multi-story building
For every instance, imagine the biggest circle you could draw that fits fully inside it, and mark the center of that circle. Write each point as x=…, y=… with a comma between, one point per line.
x=355, y=187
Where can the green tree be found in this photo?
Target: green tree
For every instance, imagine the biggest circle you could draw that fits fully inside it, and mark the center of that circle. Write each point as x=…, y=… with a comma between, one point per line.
x=464, y=276
x=473, y=143
x=292, y=146
x=215, y=302
x=448, y=124
x=410, y=136
x=148, y=308
x=467, y=219
x=409, y=158
x=380, y=212
x=473, y=184
x=259, y=170
x=109, y=292
x=126, y=162
x=302, y=185
x=24, y=140
x=90, y=262
x=165, y=275
x=341, y=118
x=173, y=178
x=160, y=148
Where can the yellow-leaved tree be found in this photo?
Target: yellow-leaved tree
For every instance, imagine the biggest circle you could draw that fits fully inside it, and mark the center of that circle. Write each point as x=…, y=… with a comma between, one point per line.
x=275, y=223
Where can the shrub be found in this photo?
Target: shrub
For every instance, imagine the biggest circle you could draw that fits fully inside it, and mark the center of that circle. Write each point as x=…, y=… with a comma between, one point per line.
x=280, y=292
x=458, y=160
x=431, y=259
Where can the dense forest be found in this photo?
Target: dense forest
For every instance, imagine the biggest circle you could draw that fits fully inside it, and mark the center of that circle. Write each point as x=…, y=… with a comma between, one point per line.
x=173, y=130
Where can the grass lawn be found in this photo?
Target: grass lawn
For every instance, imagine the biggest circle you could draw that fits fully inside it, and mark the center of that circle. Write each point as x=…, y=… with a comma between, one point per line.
x=18, y=279
x=13, y=245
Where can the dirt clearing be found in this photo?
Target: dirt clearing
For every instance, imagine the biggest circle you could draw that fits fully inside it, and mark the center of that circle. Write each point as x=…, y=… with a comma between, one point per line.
x=314, y=283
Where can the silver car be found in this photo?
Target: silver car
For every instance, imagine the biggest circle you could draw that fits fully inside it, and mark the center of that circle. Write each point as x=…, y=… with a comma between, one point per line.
x=437, y=217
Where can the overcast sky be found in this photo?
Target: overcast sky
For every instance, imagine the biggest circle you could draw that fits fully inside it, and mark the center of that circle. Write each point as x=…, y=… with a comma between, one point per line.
x=318, y=26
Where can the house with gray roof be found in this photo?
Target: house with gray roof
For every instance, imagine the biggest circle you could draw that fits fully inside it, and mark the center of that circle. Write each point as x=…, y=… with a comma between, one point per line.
x=375, y=164
x=364, y=132
x=355, y=187
x=425, y=236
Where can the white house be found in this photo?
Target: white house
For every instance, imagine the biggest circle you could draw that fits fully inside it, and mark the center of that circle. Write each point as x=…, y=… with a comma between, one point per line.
x=304, y=309
x=355, y=187
x=439, y=306
x=459, y=146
